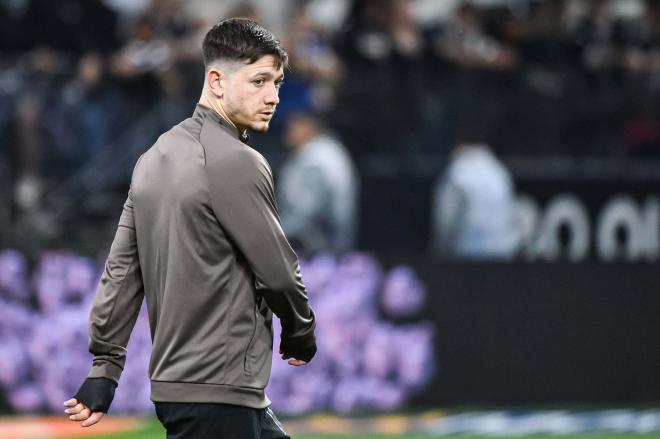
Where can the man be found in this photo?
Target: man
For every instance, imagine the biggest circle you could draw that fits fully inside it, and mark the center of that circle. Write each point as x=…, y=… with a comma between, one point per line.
x=474, y=199
x=200, y=238
x=317, y=188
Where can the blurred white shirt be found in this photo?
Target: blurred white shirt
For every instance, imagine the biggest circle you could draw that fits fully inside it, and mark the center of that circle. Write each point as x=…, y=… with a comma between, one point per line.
x=473, y=207
x=317, y=196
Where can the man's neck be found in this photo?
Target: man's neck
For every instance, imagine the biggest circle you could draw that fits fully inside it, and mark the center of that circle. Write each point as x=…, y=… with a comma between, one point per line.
x=215, y=106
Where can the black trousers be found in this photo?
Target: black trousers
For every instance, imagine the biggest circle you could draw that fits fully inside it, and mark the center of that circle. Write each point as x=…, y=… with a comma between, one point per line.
x=218, y=421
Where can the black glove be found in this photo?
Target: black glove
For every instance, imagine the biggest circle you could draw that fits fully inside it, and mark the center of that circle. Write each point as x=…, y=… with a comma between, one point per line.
x=292, y=348
x=97, y=394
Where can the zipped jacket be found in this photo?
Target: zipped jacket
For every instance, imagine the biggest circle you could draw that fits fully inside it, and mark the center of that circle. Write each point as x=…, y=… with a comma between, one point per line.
x=200, y=238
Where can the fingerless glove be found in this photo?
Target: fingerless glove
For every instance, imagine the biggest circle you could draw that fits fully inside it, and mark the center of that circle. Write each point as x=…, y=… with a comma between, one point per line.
x=97, y=394
x=294, y=349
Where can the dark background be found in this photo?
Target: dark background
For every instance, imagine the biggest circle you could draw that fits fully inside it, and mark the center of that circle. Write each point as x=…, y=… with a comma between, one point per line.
x=534, y=334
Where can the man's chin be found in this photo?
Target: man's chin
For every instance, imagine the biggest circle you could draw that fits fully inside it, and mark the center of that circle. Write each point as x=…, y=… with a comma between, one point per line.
x=260, y=127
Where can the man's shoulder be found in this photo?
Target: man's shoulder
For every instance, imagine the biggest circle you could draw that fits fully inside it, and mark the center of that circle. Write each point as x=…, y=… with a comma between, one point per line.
x=222, y=149
x=235, y=156
x=236, y=165
x=185, y=132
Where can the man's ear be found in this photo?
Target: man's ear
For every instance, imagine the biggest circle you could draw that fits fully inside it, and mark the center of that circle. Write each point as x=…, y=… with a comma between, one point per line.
x=215, y=80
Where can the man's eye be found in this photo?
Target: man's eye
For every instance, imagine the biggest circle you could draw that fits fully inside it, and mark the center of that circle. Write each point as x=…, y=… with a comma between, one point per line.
x=278, y=84
x=258, y=82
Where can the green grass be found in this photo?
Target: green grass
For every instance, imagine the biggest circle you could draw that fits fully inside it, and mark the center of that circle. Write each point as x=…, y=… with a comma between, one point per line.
x=155, y=431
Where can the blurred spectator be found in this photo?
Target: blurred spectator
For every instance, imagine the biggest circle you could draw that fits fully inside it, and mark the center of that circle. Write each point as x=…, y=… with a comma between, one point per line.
x=465, y=41
x=137, y=63
x=38, y=92
x=329, y=15
x=246, y=10
x=128, y=8
x=315, y=67
x=156, y=59
x=74, y=26
x=383, y=51
x=473, y=202
x=318, y=189
x=86, y=117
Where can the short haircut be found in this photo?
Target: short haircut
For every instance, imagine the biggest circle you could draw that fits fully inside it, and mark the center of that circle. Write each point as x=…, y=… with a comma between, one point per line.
x=243, y=40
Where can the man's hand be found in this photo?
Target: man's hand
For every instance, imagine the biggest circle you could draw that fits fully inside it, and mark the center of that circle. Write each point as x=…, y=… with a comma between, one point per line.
x=80, y=412
x=292, y=361
x=302, y=350
x=92, y=401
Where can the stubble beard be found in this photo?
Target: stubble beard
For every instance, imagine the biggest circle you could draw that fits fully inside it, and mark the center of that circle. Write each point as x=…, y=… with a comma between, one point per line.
x=260, y=127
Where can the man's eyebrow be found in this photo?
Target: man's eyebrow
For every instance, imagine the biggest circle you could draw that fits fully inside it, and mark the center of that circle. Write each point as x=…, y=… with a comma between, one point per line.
x=268, y=75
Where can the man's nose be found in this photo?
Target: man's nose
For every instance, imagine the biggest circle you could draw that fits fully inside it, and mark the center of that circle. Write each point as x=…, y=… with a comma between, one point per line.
x=273, y=96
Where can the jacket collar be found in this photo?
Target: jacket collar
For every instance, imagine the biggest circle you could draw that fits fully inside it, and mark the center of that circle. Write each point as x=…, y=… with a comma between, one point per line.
x=204, y=112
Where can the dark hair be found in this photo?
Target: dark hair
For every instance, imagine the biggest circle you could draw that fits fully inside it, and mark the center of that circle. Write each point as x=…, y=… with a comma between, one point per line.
x=241, y=39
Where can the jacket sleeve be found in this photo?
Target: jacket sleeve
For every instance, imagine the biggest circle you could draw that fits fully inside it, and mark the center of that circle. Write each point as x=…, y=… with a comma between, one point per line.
x=117, y=302
x=242, y=195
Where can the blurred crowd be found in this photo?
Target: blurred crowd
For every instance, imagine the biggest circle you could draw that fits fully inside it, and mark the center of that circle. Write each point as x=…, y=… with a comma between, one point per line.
x=376, y=87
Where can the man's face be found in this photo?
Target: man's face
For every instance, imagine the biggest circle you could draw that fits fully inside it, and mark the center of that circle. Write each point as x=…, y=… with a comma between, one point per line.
x=251, y=93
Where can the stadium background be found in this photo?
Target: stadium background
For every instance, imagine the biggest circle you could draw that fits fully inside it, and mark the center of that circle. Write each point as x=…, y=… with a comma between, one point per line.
x=557, y=335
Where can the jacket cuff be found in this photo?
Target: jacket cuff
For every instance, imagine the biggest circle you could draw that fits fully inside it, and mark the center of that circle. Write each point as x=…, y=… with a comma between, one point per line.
x=105, y=369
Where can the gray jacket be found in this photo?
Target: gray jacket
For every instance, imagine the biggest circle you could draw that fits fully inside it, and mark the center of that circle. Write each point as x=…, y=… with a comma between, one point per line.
x=200, y=237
